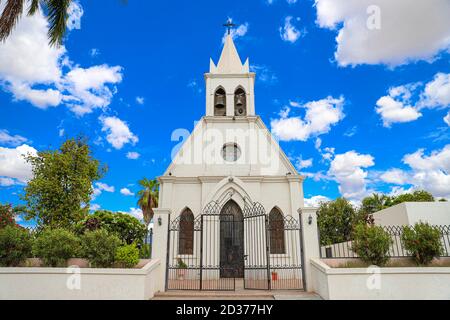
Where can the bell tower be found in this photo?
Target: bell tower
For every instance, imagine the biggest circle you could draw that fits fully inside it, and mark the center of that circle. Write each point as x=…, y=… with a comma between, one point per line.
x=230, y=85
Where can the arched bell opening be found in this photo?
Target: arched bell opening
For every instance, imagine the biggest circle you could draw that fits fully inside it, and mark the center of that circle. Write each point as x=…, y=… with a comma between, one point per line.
x=220, y=102
x=240, y=102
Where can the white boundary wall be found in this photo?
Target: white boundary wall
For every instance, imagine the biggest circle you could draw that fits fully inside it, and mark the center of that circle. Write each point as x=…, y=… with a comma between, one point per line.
x=416, y=283
x=409, y=213
x=95, y=284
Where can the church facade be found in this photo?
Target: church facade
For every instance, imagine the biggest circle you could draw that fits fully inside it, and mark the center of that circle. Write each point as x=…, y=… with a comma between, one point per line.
x=230, y=202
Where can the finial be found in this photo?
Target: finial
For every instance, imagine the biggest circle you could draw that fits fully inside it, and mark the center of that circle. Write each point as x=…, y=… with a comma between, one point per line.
x=229, y=25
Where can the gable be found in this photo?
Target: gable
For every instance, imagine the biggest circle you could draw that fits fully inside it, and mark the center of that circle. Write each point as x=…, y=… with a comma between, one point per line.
x=201, y=154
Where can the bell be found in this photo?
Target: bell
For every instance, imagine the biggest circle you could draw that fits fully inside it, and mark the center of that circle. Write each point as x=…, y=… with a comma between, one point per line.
x=220, y=101
x=239, y=100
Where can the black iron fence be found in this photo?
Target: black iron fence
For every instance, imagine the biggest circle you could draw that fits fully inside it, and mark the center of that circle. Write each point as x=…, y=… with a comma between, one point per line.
x=397, y=249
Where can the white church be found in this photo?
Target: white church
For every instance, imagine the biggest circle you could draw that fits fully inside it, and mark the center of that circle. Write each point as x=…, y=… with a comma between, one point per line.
x=231, y=209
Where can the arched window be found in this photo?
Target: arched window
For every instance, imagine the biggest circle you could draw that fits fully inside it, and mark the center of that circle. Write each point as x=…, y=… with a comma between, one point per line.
x=240, y=102
x=186, y=238
x=220, y=102
x=276, y=230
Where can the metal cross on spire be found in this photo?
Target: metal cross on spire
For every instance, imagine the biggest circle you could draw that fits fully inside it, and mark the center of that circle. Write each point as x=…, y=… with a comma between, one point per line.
x=229, y=25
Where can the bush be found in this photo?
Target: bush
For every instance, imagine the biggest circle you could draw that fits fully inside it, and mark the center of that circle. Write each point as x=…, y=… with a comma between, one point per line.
x=127, y=256
x=127, y=228
x=335, y=220
x=7, y=216
x=145, y=251
x=100, y=248
x=55, y=246
x=371, y=244
x=423, y=242
x=15, y=246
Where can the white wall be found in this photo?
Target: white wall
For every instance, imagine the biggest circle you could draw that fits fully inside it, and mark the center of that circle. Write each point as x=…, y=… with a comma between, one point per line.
x=409, y=213
x=425, y=283
x=95, y=284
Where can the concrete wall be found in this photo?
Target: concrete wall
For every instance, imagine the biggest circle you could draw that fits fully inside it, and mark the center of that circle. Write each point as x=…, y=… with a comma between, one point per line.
x=79, y=284
x=409, y=213
x=426, y=283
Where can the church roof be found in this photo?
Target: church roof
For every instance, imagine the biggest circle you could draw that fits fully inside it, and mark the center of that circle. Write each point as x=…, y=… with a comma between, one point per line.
x=229, y=62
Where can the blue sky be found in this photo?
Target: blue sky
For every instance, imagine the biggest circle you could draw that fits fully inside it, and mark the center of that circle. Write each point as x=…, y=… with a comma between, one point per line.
x=366, y=111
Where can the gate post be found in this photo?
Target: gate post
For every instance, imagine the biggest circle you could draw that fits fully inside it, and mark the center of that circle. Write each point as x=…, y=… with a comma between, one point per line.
x=160, y=245
x=310, y=243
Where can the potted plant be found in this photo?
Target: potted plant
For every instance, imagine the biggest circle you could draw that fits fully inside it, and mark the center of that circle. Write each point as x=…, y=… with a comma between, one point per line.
x=274, y=276
x=181, y=271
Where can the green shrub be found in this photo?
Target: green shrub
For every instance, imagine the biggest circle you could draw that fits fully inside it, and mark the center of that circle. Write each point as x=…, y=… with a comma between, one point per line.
x=15, y=246
x=7, y=216
x=127, y=256
x=55, y=246
x=181, y=264
x=145, y=251
x=127, y=228
x=100, y=248
x=423, y=242
x=371, y=244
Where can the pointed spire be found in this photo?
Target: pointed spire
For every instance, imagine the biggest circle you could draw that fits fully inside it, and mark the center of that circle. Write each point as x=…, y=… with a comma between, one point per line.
x=229, y=62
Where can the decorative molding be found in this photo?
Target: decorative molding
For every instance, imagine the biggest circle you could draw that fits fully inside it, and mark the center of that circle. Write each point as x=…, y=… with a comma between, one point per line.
x=230, y=75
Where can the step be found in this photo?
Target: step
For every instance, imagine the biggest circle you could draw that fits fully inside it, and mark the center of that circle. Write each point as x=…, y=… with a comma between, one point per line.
x=236, y=295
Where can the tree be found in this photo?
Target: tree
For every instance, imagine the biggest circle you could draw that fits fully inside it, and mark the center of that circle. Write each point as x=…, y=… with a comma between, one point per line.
x=148, y=198
x=7, y=216
x=416, y=196
x=336, y=220
x=127, y=228
x=59, y=193
x=55, y=10
x=375, y=203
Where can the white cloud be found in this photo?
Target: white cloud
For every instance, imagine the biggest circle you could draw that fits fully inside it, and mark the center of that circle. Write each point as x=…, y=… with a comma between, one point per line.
x=315, y=201
x=264, y=74
x=394, y=176
x=447, y=118
x=398, y=107
x=347, y=170
x=118, y=133
x=289, y=32
x=94, y=52
x=429, y=172
x=75, y=12
x=100, y=187
x=135, y=212
x=88, y=87
x=6, y=138
x=126, y=192
x=319, y=117
x=95, y=207
x=105, y=187
x=437, y=92
x=13, y=164
x=303, y=164
x=235, y=33
x=38, y=97
x=133, y=155
x=140, y=100
x=407, y=31
x=395, y=108
x=7, y=182
x=44, y=76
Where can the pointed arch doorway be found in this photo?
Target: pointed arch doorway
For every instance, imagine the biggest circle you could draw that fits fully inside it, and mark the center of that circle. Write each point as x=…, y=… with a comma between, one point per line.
x=231, y=241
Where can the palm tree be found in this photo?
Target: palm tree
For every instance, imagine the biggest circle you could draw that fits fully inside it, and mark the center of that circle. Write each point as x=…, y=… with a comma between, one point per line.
x=148, y=198
x=56, y=12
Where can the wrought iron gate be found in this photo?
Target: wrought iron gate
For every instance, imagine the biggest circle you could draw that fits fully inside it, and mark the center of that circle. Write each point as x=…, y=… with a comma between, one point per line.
x=225, y=244
x=256, y=248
